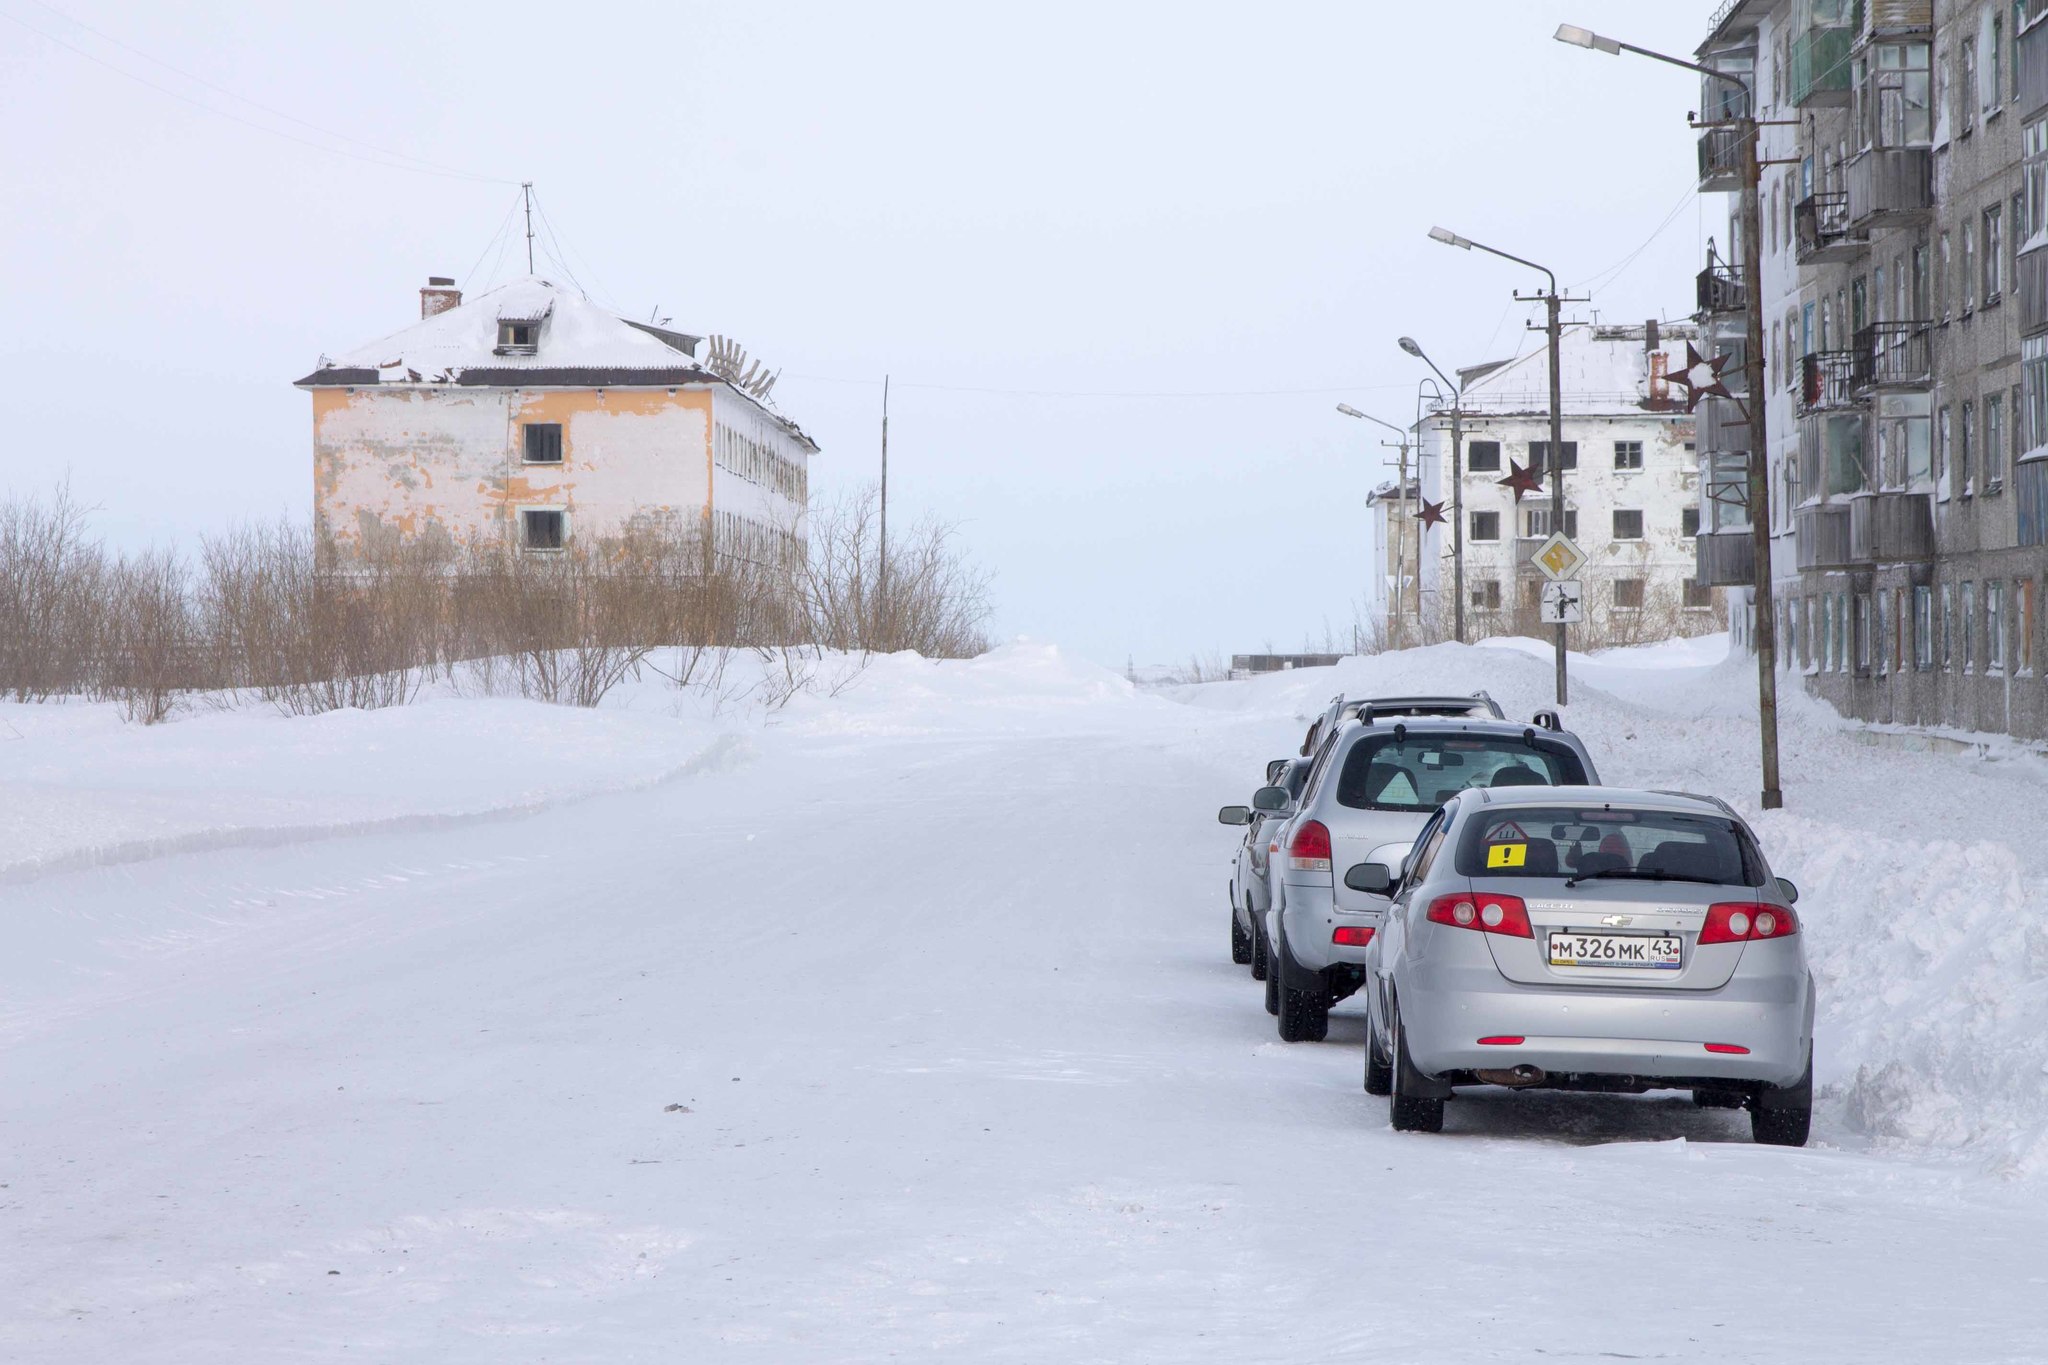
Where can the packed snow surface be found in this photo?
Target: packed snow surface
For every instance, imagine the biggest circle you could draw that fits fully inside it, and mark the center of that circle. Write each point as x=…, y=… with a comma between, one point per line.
x=898, y=1023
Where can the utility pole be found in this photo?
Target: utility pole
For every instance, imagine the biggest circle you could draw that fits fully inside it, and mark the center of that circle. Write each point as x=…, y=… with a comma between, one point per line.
x=1458, y=514
x=1553, y=328
x=526, y=189
x=1748, y=130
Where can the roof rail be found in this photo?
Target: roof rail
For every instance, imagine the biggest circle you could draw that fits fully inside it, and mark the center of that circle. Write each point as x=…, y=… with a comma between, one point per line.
x=1699, y=796
x=1548, y=719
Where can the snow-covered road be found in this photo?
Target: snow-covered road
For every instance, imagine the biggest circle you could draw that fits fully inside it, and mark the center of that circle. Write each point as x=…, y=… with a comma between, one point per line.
x=910, y=1034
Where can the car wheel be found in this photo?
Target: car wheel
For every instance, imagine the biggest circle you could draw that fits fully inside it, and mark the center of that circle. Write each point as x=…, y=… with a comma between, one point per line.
x=1379, y=1073
x=1407, y=1110
x=1304, y=1004
x=1780, y=1116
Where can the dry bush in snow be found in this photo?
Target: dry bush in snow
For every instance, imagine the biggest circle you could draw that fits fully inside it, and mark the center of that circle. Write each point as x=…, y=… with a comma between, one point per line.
x=54, y=586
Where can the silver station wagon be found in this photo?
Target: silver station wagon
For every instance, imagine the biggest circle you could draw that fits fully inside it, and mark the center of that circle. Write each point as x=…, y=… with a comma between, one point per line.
x=1374, y=783
x=1589, y=938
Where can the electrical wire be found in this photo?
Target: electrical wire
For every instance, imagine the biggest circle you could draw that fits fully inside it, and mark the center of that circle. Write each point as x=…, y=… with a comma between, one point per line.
x=394, y=161
x=503, y=224
x=1104, y=393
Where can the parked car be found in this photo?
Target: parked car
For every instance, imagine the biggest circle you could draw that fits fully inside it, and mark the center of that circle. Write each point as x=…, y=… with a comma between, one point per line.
x=1342, y=708
x=1372, y=786
x=1589, y=938
x=1250, y=889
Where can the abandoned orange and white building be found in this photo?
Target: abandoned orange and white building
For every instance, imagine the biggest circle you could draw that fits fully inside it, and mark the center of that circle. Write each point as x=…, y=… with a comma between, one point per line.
x=531, y=416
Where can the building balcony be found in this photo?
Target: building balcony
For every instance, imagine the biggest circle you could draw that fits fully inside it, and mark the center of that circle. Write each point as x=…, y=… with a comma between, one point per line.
x=1827, y=380
x=1721, y=427
x=2031, y=94
x=1725, y=559
x=1720, y=159
x=1821, y=224
x=1892, y=355
x=1891, y=528
x=1719, y=291
x=1889, y=186
x=1820, y=64
x=1821, y=533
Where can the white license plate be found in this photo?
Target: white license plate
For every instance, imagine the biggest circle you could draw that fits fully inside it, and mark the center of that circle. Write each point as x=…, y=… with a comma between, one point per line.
x=1656, y=951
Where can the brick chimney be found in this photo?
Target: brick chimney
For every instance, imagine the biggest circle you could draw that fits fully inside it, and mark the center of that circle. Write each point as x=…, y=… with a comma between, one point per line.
x=439, y=296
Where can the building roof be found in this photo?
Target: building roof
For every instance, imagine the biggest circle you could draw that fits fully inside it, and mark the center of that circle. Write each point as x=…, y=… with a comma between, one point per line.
x=578, y=344
x=1606, y=373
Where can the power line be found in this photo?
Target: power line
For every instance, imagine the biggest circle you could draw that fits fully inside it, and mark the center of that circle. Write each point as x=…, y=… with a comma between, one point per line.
x=1106, y=393
x=393, y=161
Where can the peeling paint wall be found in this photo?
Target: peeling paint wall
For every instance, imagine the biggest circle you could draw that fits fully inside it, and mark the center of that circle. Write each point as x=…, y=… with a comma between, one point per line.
x=417, y=460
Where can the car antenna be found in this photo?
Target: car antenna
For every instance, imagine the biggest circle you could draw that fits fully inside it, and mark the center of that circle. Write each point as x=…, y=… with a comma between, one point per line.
x=1400, y=733
x=1529, y=737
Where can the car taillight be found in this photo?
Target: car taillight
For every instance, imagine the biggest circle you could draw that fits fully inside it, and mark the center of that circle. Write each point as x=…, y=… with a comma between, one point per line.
x=1486, y=911
x=1310, y=847
x=1351, y=936
x=1741, y=921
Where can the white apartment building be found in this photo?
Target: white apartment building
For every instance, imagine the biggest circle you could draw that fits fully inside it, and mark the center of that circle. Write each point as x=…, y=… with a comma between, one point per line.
x=1631, y=485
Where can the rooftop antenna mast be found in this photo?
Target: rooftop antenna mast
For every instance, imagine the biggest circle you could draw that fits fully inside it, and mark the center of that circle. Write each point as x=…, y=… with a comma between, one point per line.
x=526, y=189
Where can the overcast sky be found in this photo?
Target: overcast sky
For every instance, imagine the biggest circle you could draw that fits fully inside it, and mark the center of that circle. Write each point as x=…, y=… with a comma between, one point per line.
x=1122, y=259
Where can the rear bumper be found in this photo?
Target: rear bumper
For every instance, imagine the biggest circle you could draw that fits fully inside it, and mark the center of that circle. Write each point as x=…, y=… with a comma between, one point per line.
x=1309, y=916
x=1645, y=1034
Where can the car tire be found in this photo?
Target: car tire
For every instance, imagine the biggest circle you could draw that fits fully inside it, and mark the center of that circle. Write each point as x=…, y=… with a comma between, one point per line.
x=1240, y=940
x=1304, y=1011
x=1407, y=1110
x=1379, y=1073
x=1781, y=1116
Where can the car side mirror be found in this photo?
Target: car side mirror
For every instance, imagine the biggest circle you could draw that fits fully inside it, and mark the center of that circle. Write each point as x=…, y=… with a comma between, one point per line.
x=1234, y=815
x=1788, y=891
x=1269, y=798
x=1374, y=879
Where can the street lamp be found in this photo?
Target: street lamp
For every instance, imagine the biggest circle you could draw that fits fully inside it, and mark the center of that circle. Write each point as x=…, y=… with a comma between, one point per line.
x=1749, y=218
x=1553, y=330
x=1409, y=345
x=1402, y=474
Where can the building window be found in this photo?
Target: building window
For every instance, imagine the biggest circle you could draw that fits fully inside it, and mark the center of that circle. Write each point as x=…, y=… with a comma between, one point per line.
x=1862, y=620
x=2033, y=179
x=1628, y=525
x=1923, y=627
x=1966, y=626
x=1966, y=440
x=1994, y=63
x=1948, y=627
x=1540, y=521
x=1966, y=87
x=1689, y=522
x=543, y=528
x=1628, y=454
x=518, y=338
x=1994, y=255
x=1992, y=458
x=1486, y=526
x=1994, y=626
x=1698, y=594
x=2032, y=420
x=1486, y=595
x=1483, y=457
x=543, y=442
x=2023, y=623
x=1969, y=268
x=1628, y=594
x=1539, y=455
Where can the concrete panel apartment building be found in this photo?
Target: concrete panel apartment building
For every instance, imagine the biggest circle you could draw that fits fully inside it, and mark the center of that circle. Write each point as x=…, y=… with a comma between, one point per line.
x=1905, y=305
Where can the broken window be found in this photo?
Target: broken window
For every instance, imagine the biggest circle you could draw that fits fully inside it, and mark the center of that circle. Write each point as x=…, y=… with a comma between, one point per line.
x=542, y=528
x=1483, y=457
x=1628, y=525
x=543, y=442
x=1628, y=593
x=518, y=338
x=1628, y=454
x=1486, y=526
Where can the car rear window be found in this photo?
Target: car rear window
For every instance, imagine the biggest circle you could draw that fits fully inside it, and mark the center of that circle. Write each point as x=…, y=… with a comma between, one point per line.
x=1547, y=841
x=1421, y=772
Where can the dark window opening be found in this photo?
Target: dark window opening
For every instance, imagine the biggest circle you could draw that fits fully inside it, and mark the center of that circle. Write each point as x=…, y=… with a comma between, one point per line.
x=518, y=338
x=543, y=443
x=1628, y=593
x=1483, y=457
x=1486, y=526
x=542, y=530
x=1539, y=455
x=1628, y=525
x=1689, y=522
x=1628, y=454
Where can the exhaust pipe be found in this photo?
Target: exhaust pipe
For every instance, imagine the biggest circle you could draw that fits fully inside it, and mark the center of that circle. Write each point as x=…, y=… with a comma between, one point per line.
x=1519, y=1078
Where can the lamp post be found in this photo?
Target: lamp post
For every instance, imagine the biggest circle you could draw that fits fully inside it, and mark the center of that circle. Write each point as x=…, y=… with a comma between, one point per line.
x=1748, y=216
x=1400, y=555
x=1553, y=329
x=1457, y=489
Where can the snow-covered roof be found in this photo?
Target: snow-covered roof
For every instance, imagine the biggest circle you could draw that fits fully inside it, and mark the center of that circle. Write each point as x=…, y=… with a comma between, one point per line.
x=1605, y=371
x=575, y=334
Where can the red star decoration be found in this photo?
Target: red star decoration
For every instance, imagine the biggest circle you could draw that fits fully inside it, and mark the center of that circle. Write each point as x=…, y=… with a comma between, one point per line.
x=1432, y=513
x=1522, y=478
x=1696, y=385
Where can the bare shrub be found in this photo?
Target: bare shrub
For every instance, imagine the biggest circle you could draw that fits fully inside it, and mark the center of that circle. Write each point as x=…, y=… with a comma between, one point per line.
x=54, y=586
x=152, y=651
x=926, y=597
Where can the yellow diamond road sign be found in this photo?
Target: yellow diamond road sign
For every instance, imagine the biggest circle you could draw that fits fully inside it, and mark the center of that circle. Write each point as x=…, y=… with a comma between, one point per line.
x=1558, y=558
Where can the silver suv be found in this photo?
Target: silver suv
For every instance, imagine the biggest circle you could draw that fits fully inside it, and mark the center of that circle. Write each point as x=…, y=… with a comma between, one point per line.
x=1590, y=939
x=1250, y=879
x=1374, y=784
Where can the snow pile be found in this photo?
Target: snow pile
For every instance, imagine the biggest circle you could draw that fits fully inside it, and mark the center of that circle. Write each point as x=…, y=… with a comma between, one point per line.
x=1919, y=872
x=80, y=787
x=1024, y=685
